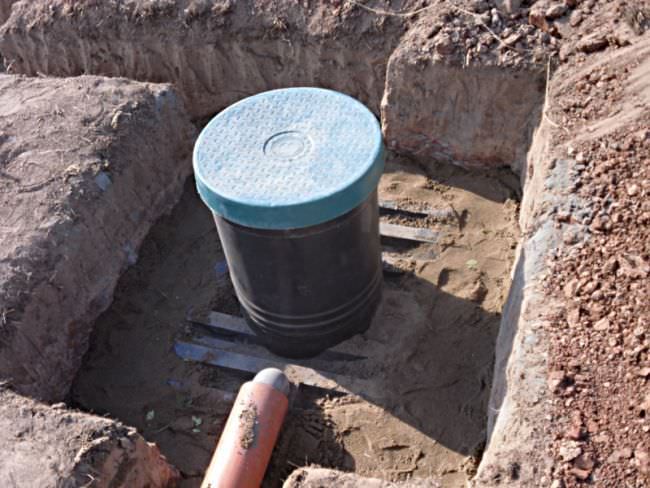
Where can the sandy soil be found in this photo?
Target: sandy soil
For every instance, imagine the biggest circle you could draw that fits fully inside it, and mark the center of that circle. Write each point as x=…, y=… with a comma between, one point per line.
x=430, y=347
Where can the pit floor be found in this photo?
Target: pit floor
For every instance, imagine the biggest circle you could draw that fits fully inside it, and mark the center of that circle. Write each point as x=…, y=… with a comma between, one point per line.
x=428, y=354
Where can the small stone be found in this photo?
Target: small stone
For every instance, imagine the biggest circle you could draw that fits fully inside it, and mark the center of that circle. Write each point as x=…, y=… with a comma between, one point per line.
x=642, y=135
x=565, y=51
x=571, y=288
x=602, y=325
x=59, y=406
x=639, y=331
x=537, y=18
x=611, y=266
x=581, y=474
x=624, y=453
x=633, y=189
x=633, y=266
x=570, y=237
x=557, y=484
x=575, y=18
x=584, y=462
x=598, y=223
x=444, y=44
x=601, y=438
x=643, y=372
x=590, y=287
x=569, y=451
x=592, y=43
x=592, y=426
x=477, y=292
x=512, y=39
x=573, y=317
x=556, y=379
x=508, y=6
x=574, y=433
x=642, y=461
x=563, y=216
x=556, y=11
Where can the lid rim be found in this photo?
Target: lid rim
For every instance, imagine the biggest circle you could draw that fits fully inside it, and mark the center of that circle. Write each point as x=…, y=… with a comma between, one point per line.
x=292, y=216
x=334, y=200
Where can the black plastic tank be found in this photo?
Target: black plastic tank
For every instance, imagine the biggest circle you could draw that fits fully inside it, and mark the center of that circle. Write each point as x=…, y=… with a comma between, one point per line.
x=291, y=177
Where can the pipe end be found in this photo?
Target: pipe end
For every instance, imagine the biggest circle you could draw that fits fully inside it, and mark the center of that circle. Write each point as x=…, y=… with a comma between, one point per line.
x=275, y=378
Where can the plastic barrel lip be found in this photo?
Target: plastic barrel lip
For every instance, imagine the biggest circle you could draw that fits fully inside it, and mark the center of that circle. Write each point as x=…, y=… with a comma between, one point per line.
x=318, y=180
x=300, y=233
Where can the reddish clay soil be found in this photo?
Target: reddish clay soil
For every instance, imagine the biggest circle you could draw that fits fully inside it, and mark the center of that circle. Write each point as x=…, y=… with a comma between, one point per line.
x=599, y=364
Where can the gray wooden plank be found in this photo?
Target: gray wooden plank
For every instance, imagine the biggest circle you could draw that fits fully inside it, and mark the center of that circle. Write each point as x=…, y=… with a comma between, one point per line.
x=254, y=364
x=406, y=207
x=408, y=233
x=231, y=323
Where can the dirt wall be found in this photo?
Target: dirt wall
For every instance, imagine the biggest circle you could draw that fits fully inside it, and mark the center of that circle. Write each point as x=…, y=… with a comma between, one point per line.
x=453, y=94
x=88, y=164
x=215, y=52
x=51, y=446
x=435, y=72
x=526, y=414
x=5, y=9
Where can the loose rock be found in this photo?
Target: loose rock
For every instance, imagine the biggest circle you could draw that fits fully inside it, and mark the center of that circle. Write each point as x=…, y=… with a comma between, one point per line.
x=591, y=44
x=556, y=11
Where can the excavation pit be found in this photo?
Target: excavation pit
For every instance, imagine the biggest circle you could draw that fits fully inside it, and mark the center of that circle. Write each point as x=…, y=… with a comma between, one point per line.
x=554, y=91
x=420, y=376
x=418, y=381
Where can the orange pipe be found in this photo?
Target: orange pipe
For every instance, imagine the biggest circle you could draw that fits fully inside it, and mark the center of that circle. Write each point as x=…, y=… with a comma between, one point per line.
x=247, y=440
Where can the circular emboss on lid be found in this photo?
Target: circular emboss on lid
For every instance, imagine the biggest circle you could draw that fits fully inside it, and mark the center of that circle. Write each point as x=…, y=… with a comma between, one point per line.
x=287, y=145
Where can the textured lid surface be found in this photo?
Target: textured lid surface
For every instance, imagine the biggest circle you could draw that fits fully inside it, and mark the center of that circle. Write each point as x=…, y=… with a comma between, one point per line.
x=289, y=158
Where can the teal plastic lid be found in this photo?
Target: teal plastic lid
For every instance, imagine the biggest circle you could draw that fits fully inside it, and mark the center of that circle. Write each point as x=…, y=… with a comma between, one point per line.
x=289, y=158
